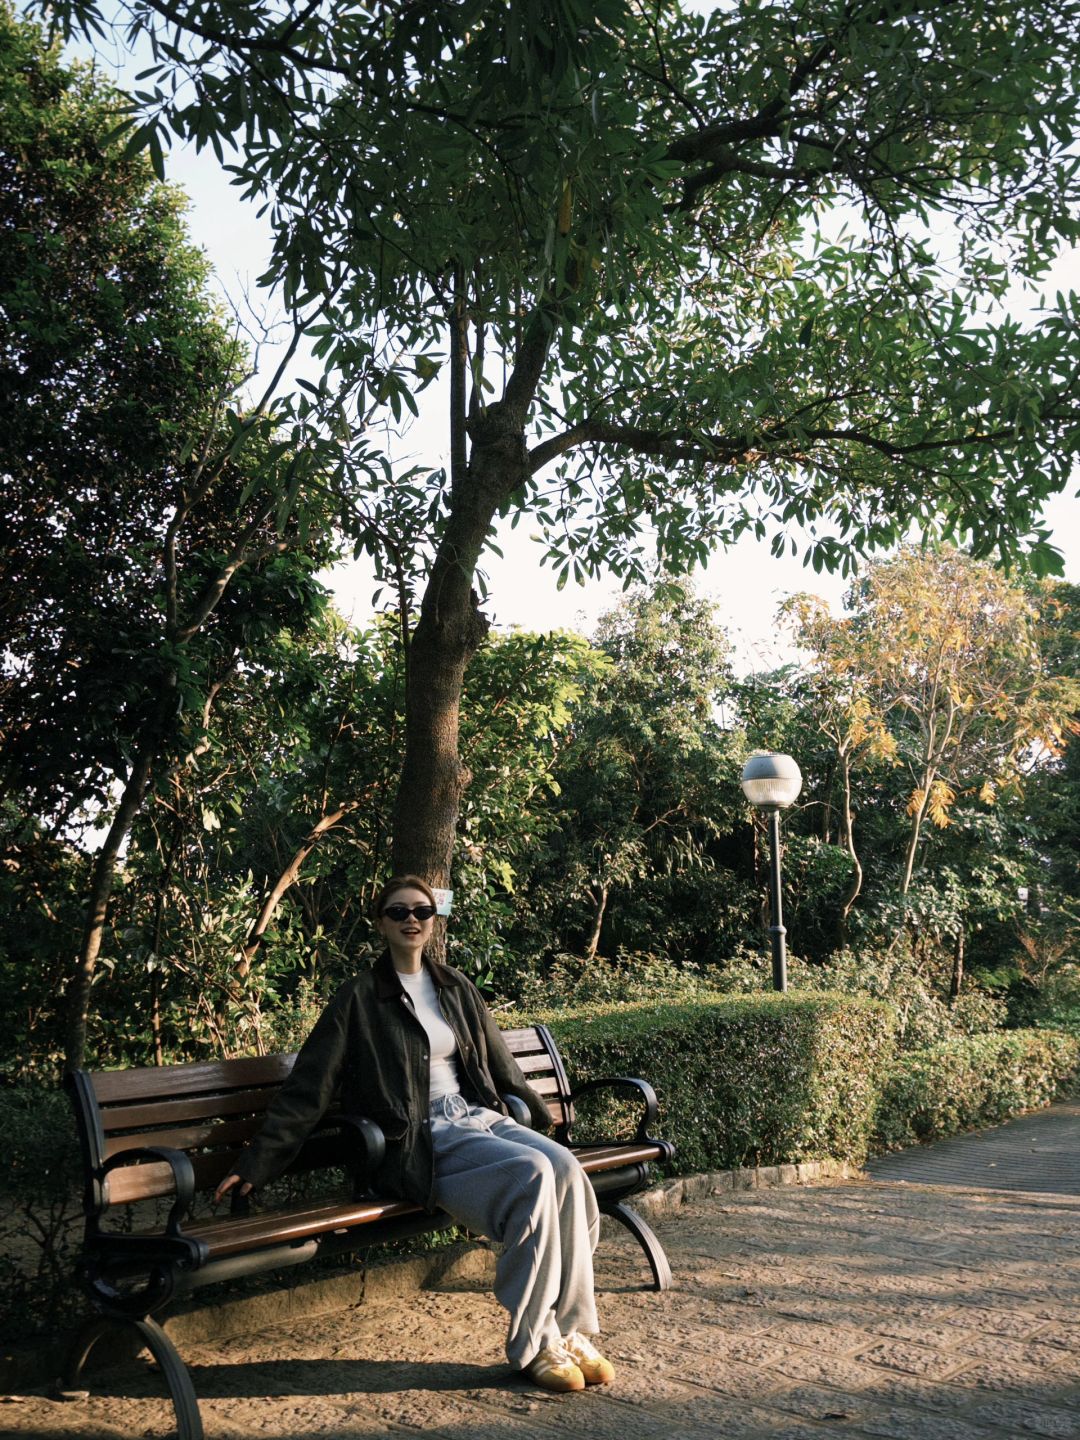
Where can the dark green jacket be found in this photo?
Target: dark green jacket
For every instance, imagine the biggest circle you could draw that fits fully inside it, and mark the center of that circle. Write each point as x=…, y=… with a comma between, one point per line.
x=369, y=1046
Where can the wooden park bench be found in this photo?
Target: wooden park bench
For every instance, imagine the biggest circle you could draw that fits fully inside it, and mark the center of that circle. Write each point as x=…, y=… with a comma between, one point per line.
x=169, y=1133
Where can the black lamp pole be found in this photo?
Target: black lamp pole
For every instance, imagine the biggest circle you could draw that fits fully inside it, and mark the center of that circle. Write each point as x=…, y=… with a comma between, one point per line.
x=777, y=933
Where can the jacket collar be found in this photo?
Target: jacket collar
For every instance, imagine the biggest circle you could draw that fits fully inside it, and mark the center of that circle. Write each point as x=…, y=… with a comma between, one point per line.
x=388, y=986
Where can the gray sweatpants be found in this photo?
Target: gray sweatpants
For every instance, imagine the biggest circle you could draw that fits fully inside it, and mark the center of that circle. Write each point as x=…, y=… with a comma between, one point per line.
x=529, y=1194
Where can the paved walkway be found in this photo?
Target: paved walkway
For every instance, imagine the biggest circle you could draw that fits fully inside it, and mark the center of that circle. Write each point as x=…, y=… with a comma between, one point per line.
x=1038, y=1153
x=889, y=1308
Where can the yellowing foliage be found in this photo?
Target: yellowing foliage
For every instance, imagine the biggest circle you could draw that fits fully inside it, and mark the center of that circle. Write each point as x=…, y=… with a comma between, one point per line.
x=936, y=665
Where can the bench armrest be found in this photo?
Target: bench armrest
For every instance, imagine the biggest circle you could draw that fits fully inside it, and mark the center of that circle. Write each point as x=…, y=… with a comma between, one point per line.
x=183, y=1177
x=518, y=1110
x=622, y=1082
x=370, y=1145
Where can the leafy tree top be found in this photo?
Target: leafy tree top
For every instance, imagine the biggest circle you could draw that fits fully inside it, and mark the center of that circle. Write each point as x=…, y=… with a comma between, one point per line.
x=949, y=648
x=604, y=222
x=123, y=491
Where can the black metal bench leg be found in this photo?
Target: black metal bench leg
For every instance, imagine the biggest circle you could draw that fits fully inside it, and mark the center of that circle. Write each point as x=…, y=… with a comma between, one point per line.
x=181, y=1391
x=654, y=1251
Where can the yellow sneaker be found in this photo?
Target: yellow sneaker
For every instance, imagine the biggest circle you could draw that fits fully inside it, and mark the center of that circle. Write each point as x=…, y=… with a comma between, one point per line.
x=595, y=1369
x=555, y=1369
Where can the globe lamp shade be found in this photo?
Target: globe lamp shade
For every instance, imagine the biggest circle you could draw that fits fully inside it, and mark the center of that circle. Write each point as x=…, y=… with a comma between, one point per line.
x=771, y=781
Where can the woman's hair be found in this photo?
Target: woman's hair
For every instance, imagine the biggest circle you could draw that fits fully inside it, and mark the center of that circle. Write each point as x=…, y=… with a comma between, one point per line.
x=401, y=882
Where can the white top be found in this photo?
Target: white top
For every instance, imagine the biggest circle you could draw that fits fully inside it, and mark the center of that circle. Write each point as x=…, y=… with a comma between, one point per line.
x=421, y=990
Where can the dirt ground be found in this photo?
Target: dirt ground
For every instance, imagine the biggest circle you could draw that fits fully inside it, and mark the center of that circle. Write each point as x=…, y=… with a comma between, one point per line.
x=849, y=1309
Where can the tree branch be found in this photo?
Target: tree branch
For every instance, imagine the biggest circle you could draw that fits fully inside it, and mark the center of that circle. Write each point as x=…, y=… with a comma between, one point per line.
x=726, y=449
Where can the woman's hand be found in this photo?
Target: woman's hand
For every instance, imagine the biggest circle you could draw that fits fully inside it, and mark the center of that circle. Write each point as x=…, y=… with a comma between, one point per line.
x=227, y=1184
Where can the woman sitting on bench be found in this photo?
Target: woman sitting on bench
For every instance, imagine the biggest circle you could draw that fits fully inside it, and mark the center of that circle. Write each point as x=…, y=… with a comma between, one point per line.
x=413, y=1047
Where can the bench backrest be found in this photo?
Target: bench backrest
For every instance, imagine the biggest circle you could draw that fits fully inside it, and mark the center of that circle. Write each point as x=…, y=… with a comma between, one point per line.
x=212, y=1110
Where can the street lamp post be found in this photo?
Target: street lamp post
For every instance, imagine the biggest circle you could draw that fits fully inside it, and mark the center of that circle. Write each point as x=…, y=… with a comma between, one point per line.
x=771, y=783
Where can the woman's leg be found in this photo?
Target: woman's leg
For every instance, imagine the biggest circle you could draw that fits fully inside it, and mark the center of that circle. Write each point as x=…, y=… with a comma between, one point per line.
x=579, y=1228
x=508, y=1192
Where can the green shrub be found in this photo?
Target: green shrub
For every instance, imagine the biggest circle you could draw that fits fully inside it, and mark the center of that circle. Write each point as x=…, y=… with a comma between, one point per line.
x=571, y=981
x=1052, y=1002
x=918, y=993
x=976, y=1080
x=40, y=1212
x=748, y=1080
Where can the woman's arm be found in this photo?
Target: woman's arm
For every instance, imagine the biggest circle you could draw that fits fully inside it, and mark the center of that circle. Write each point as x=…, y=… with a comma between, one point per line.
x=301, y=1101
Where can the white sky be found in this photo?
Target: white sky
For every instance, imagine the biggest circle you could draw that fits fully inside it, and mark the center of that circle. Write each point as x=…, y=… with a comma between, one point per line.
x=746, y=582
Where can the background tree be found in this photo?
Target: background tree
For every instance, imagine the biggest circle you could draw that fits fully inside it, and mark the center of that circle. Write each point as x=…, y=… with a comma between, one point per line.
x=154, y=534
x=246, y=887
x=608, y=227
x=1047, y=929
x=937, y=670
x=647, y=792
x=836, y=690
x=950, y=647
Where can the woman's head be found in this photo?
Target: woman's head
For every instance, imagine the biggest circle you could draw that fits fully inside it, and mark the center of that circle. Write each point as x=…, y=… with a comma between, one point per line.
x=401, y=882
x=405, y=917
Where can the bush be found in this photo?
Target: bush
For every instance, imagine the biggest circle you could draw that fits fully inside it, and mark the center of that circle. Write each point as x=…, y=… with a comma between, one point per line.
x=1053, y=1002
x=926, y=1015
x=570, y=981
x=977, y=1080
x=750, y=1080
x=40, y=1213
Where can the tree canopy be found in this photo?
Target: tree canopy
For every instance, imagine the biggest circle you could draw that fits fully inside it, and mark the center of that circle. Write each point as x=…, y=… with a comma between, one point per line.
x=622, y=204
x=937, y=668
x=158, y=527
x=614, y=231
x=110, y=350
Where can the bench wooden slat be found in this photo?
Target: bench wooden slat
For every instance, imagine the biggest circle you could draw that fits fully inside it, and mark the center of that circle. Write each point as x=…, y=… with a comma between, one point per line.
x=164, y=1084
x=247, y=1232
x=143, y=1117
x=152, y=1179
x=535, y=1064
x=232, y=1133
x=524, y=1042
x=164, y=1081
x=610, y=1157
x=233, y=1237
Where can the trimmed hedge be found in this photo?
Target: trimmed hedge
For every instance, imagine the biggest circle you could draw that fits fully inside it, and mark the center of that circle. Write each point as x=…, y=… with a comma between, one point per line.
x=973, y=1081
x=748, y=1080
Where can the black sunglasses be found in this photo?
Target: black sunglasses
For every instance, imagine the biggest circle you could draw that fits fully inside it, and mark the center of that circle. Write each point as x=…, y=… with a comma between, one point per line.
x=398, y=913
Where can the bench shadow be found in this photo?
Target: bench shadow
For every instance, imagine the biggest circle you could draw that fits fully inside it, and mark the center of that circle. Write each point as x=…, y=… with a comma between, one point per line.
x=265, y=1379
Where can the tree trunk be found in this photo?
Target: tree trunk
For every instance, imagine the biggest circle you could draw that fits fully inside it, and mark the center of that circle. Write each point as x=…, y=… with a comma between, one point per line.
x=159, y=927
x=847, y=820
x=282, y=885
x=916, y=830
x=958, y=967
x=104, y=873
x=451, y=628
x=447, y=635
x=101, y=885
x=593, y=943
